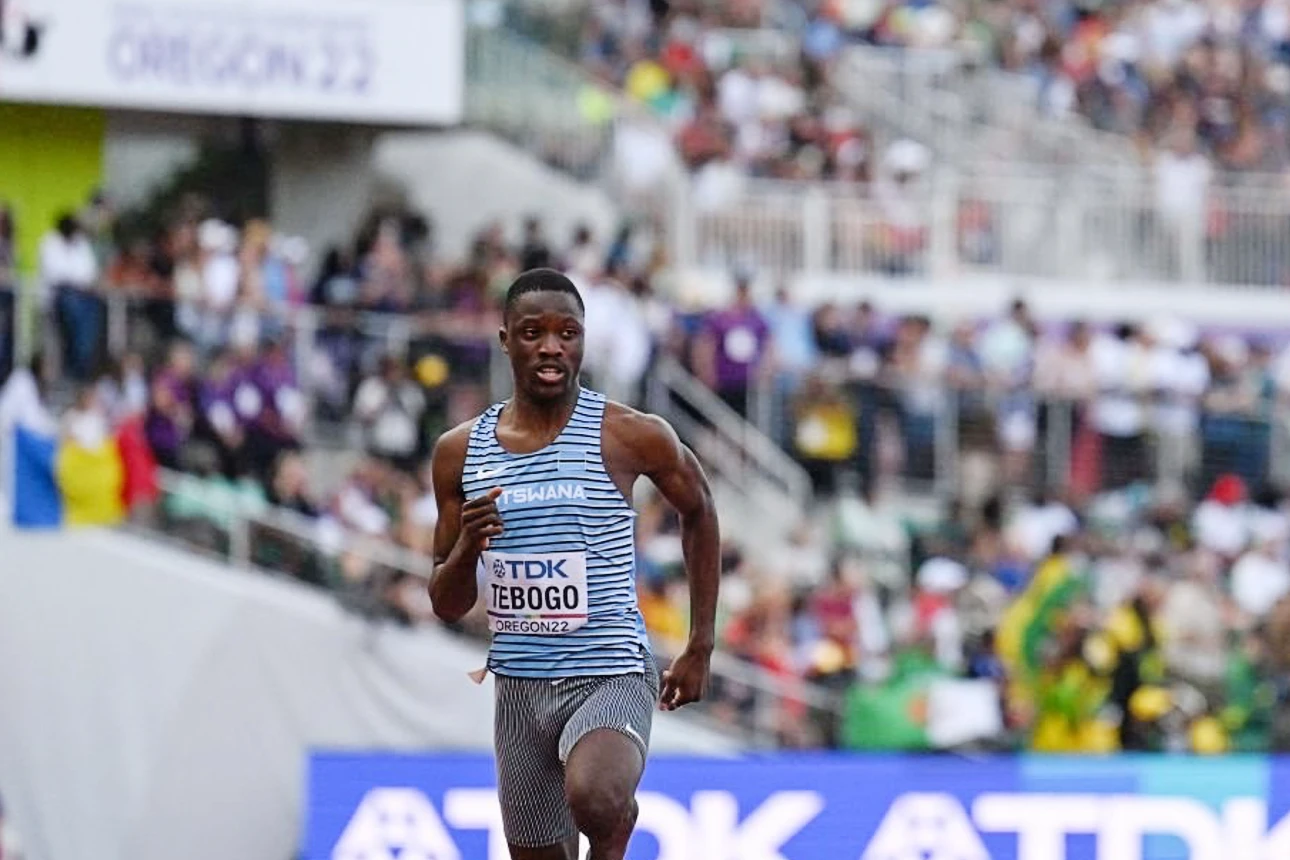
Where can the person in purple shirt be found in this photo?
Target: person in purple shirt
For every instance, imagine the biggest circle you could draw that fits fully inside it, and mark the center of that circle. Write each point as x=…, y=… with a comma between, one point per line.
x=272, y=407
x=171, y=403
x=731, y=354
x=218, y=420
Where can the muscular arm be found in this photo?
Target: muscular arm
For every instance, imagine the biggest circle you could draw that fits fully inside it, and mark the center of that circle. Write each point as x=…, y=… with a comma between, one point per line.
x=647, y=445
x=453, y=588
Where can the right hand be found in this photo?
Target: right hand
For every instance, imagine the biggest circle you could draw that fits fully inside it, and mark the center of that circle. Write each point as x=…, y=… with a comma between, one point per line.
x=480, y=521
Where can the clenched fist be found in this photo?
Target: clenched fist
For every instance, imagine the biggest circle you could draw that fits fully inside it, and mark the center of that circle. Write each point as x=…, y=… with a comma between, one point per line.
x=480, y=521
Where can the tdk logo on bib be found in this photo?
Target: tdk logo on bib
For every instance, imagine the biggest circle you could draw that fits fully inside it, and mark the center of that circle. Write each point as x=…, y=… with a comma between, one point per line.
x=551, y=567
x=539, y=593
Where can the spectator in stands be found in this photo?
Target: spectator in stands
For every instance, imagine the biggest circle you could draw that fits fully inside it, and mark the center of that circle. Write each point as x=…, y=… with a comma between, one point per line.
x=219, y=419
x=1234, y=430
x=23, y=405
x=914, y=369
x=289, y=488
x=172, y=416
x=824, y=436
x=69, y=272
x=272, y=407
x=733, y=353
x=207, y=286
x=421, y=512
x=793, y=352
x=535, y=253
x=389, y=407
x=1260, y=577
x=122, y=387
x=1123, y=364
x=618, y=340
x=363, y=503
x=583, y=259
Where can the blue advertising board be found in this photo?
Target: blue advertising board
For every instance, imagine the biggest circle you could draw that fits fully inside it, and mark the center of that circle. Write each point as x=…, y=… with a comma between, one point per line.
x=834, y=807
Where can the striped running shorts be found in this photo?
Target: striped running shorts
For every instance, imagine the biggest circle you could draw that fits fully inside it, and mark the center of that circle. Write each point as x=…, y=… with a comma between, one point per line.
x=538, y=721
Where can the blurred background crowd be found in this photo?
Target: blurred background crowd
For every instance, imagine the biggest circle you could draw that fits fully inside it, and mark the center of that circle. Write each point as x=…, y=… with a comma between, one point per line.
x=1102, y=534
x=1209, y=79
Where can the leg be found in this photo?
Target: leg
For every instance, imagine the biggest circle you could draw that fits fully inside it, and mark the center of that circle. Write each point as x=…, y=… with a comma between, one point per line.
x=567, y=850
x=600, y=782
x=603, y=746
x=530, y=780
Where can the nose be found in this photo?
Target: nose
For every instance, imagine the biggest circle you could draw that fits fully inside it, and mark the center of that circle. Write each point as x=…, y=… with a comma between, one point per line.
x=550, y=346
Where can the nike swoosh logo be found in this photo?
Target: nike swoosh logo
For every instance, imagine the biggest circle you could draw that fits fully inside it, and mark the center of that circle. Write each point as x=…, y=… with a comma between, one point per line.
x=485, y=474
x=633, y=734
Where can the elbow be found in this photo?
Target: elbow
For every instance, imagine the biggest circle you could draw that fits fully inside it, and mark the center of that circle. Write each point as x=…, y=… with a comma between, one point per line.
x=445, y=608
x=703, y=512
x=448, y=615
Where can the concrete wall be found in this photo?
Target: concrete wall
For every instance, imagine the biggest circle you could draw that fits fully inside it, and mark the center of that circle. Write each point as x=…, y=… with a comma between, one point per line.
x=465, y=179
x=321, y=183
x=980, y=295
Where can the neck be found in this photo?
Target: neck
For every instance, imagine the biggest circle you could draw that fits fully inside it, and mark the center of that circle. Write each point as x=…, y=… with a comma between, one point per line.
x=550, y=415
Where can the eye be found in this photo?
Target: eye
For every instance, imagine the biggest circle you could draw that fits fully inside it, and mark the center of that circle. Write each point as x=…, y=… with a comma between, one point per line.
x=529, y=332
x=571, y=333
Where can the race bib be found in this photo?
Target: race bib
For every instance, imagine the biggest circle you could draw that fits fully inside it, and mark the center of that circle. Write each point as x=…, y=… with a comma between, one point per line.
x=540, y=594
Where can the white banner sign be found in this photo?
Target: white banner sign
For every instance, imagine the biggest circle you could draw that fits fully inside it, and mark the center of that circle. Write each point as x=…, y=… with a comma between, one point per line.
x=379, y=61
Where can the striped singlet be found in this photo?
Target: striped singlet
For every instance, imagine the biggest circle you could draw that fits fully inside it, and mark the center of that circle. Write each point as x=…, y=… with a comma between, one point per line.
x=560, y=582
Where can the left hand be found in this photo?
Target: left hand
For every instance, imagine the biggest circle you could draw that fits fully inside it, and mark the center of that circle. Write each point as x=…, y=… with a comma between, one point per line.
x=687, y=681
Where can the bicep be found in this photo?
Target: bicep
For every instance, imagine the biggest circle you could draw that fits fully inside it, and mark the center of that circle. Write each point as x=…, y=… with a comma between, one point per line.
x=676, y=472
x=446, y=465
x=446, y=528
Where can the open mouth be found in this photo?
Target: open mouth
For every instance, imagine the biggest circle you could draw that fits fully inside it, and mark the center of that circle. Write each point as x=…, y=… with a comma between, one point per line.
x=551, y=375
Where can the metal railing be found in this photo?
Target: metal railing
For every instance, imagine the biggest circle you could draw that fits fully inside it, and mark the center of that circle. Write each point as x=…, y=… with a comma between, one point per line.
x=968, y=443
x=967, y=112
x=324, y=375
x=329, y=540
x=1003, y=222
x=1014, y=193
x=743, y=455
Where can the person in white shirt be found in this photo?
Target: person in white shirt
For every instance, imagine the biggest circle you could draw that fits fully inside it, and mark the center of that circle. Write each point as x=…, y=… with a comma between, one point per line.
x=1182, y=179
x=1221, y=523
x=22, y=404
x=1039, y=523
x=389, y=407
x=619, y=341
x=1124, y=376
x=69, y=272
x=1182, y=377
x=1260, y=579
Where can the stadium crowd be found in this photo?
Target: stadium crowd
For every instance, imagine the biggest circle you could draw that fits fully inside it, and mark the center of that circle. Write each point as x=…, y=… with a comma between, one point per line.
x=1209, y=80
x=1129, y=592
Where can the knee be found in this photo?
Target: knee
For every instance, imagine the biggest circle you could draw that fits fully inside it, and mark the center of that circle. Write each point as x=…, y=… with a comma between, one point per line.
x=600, y=807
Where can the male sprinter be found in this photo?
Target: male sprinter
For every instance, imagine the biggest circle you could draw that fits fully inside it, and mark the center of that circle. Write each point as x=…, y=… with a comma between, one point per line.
x=535, y=509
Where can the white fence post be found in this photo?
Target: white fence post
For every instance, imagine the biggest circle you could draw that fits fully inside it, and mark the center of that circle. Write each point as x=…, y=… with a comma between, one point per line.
x=817, y=232
x=944, y=223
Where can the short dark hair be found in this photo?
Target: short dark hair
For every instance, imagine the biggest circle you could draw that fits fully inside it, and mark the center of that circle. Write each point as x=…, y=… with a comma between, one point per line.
x=540, y=281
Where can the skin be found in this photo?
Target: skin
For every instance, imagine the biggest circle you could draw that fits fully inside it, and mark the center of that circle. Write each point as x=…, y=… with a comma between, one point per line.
x=544, y=329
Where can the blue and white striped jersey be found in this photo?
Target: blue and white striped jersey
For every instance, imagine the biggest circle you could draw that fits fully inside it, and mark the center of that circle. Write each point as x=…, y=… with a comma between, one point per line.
x=560, y=582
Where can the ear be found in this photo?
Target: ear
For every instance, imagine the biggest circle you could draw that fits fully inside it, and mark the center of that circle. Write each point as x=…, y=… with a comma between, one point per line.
x=501, y=338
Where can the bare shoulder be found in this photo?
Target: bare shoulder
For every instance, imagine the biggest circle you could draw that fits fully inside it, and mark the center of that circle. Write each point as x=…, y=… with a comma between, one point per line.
x=449, y=455
x=643, y=438
x=452, y=444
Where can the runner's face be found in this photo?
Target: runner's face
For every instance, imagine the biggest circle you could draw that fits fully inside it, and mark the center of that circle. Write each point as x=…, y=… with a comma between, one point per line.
x=543, y=336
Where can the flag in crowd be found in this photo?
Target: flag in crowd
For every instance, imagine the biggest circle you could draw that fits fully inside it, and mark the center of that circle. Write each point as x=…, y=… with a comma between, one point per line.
x=61, y=482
